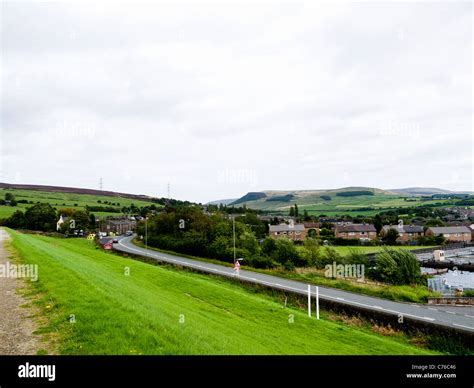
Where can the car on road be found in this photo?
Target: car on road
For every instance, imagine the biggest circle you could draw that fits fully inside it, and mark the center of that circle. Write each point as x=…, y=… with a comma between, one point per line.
x=129, y=233
x=115, y=240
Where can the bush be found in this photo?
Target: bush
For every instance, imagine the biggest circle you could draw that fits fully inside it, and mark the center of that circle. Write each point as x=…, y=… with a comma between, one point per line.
x=356, y=256
x=469, y=293
x=262, y=262
x=330, y=256
x=311, y=251
x=397, y=267
x=41, y=216
x=289, y=265
x=286, y=251
x=16, y=221
x=269, y=246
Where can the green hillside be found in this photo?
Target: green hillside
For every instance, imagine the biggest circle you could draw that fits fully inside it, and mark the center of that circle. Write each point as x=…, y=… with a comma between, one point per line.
x=351, y=200
x=158, y=310
x=62, y=200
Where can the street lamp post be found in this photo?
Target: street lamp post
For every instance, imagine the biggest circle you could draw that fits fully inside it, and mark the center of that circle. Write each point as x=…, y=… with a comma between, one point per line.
x=233, y=228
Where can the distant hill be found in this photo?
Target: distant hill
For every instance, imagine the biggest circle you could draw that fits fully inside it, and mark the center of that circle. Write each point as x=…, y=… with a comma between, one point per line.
x=282, y=199
x=427, y=191
x=74, y=190
x=345, y=200
x=222, y=201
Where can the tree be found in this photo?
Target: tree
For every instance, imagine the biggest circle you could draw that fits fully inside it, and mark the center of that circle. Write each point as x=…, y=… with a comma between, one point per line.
x=397, y=267
x=9, y=197
x=92, y=220
x=40, y=216
x=269, y=247
x=434, y=222
x=292, y=211
x=296, y=211
x=311, y=251
x=286, y=251
x=378, y=223
x=248, y=242
x=16, y=220
x=391, y=236
x=306, y=216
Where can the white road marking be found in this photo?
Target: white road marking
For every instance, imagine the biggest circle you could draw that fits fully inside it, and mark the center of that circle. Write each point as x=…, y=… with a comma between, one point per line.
x=300, y=290
x=450, y=312
x=469, y=316
x=431, y=308
x=466, y=327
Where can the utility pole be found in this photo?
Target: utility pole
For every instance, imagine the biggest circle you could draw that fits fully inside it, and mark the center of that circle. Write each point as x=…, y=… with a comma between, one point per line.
x=233, y=228
x=100, y=183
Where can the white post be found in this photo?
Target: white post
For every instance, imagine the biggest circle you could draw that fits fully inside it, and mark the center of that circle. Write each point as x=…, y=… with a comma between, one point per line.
x=317, y=302
x=309, y=300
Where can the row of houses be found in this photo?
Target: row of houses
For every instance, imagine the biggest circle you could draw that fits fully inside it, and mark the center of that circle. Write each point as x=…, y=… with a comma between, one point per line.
x=367, y=232
x=110, y=225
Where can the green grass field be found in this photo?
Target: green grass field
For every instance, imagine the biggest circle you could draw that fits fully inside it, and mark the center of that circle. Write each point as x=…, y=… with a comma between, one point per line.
x=345, y=250
x=66, y=200
x=141, y=313
x=338, y=205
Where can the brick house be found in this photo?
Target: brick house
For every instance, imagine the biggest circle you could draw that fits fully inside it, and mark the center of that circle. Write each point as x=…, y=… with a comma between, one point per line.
x=356, y=231
x=407, y=233
x=296, y=232
x=117, y=226
x=451, y=233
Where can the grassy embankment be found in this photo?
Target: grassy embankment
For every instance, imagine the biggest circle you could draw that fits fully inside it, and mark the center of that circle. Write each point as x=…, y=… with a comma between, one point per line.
x=66, y=200
x=140, y=313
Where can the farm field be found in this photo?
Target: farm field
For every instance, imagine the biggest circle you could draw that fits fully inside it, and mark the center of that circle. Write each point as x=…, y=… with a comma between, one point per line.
x=332, y=203
x=345, y=250
x=63, y=200
x=160, y=310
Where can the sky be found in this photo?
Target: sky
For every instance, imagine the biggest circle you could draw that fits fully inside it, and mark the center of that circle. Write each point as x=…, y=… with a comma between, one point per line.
x=214, y=101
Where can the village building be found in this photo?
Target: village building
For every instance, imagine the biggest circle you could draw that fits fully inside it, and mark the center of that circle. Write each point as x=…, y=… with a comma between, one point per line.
x=362, y=232
x=117, y=226
x=295, y=232
x=451, y=233
x=61, y=221
x=406, y=233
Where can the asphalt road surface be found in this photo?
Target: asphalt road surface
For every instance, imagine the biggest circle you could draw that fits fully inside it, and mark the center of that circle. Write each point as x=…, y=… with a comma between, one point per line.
x=458, y=317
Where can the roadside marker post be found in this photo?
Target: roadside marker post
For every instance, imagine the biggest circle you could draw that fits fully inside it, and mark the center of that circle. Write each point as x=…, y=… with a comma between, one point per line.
x=309, y=301
x=317, y=302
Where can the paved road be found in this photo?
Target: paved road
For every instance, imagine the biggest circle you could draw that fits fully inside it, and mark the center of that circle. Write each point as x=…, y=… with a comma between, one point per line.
x=461, y=318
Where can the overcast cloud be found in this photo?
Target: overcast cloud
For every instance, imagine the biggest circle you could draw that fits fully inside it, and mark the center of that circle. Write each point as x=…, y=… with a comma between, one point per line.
x=220, y=100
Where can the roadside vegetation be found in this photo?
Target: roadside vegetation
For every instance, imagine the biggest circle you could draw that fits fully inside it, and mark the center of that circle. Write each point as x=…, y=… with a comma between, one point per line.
x=97, y=302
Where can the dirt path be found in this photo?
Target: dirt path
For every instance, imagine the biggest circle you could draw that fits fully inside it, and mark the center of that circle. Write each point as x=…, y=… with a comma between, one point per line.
x=16, y=324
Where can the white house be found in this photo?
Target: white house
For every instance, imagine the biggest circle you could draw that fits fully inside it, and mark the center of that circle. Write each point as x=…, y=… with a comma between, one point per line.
x=62, y=220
